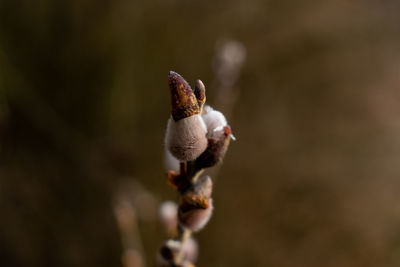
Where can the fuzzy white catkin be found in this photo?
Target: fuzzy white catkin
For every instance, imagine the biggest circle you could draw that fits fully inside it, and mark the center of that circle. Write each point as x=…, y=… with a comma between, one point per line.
x=196, y=219
x=186, y=139
x=214, y=120
x=168, y=214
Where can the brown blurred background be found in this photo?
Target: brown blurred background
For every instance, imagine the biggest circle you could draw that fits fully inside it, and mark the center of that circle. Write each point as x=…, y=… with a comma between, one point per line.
x=313, y=179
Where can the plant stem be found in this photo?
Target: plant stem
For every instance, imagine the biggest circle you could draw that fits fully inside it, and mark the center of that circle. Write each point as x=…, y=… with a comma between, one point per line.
x=191, y=174
x=184, y=237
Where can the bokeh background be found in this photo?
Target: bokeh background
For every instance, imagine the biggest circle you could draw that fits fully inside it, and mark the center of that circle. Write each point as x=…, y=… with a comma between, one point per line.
x=313, y=179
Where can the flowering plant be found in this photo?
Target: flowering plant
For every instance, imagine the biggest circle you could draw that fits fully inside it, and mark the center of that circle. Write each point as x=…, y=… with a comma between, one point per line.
x=197, y=137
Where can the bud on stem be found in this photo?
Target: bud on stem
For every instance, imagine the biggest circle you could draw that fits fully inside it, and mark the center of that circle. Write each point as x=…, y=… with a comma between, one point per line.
x=216, y=149
x=197, y=137
x=186, y=131
x=183, y=100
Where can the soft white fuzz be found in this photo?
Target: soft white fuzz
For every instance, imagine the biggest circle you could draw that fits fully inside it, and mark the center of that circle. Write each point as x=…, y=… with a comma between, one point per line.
x=214, y=120
x=186, y=139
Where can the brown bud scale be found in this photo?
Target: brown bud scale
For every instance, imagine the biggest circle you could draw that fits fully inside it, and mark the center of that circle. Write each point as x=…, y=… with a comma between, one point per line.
x=200, y=92
x=183, y=100
x=193, y=201
x=178, y=181
x=215, y=150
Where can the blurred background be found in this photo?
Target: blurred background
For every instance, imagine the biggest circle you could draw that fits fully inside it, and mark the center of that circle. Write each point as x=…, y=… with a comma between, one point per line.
x=312, y=97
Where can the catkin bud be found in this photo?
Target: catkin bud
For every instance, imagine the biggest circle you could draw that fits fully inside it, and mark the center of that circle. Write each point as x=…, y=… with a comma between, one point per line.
x=168, y=215
x=186, y=138
x=186, y=131
x=214, y=121
x=195, y=218
x=183, y=100
x=168, y=252
x=195, y=207
x=219, y=136
x=171, y=248
x=216, y=149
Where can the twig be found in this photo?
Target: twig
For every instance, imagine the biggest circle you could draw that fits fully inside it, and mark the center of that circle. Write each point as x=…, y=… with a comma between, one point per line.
x=184, y=237
x=198, y=137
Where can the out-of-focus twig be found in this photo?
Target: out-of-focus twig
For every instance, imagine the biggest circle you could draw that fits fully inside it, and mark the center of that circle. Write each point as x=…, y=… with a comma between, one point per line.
x=227, y=64
x=133, y=203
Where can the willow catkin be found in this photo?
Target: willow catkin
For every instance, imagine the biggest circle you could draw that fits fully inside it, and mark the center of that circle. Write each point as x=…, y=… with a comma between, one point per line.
x=186, y=132
x=186, y=139
x=197, y=137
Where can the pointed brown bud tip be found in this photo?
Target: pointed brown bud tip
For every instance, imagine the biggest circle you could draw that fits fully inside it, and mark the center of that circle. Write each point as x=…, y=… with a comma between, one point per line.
x=183, y=100
x=200, y=92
